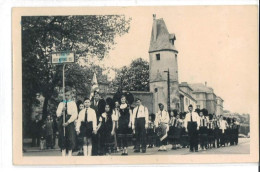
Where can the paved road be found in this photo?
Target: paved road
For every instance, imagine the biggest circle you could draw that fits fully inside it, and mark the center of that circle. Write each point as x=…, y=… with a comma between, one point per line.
x=242, y=148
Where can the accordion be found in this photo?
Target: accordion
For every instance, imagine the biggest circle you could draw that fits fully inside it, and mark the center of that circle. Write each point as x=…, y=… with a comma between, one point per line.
x=162, y=131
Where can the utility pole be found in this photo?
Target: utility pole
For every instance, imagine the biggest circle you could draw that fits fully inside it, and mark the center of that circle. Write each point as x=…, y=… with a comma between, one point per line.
x=168, y=90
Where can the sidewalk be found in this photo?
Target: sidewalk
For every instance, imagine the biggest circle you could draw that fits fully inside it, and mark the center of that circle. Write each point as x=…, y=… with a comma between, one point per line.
x=28, y=148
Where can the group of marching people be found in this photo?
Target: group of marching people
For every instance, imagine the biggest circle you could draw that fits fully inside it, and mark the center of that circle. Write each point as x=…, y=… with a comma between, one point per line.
x=99, y=127
x=204, y=131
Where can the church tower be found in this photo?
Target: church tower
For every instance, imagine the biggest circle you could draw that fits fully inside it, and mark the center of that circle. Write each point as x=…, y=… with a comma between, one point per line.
x=163, y=57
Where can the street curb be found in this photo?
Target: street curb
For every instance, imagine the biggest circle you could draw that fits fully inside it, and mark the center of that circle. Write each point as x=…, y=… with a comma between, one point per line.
x=45, y=150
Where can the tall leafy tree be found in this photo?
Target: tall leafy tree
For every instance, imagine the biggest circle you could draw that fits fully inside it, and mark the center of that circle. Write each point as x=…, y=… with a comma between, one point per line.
x=87, y=36
x=134, y=77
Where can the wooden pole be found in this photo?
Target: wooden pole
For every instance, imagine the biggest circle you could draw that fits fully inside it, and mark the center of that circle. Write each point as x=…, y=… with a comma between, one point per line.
x=63, y=85
x=169, y=94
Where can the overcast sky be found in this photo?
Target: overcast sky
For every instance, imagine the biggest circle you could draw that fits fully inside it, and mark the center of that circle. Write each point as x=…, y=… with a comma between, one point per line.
x=216, y=44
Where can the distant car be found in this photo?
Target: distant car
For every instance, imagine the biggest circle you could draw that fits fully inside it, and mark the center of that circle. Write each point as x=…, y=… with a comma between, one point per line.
x=242, y=136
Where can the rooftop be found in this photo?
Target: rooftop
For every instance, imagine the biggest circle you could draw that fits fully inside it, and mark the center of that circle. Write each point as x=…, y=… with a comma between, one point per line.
x=219, y=98
x=188, y=95
x=161, y=39
x=185, y=84
x=199, y=87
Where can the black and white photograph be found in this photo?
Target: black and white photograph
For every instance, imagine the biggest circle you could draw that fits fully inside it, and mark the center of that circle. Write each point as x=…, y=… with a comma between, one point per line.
x=136, y=82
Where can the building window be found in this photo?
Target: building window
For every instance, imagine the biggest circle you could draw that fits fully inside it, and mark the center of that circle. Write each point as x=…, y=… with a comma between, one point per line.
x=186, y=100
x=158, y=57
x=198, y=106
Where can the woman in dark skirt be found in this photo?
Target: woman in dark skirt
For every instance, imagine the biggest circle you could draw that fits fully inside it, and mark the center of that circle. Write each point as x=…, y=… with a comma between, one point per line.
x=106, y=128
x=184, y=140
x=235, y=129
x=232, y=132
x=216, y=142
x=177, y=131
x=210, y=131
x=228, y=132
x=124, y=124
x=80, y=140
x=151, y=131
x=203, y=131
x=115, y=114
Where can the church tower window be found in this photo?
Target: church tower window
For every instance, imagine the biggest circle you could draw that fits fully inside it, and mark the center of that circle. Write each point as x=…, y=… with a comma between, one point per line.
x=158, y=57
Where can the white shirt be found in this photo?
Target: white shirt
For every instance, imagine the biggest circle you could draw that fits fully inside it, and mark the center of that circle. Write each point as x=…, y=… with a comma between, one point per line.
x=195, y=118
x=91, y=118
x=178, y=122
x=205, y=121
x=115, y=114
x=71, y=109
x=142, y=113
x=161, y=116
x=222, y=125
x=95, y=102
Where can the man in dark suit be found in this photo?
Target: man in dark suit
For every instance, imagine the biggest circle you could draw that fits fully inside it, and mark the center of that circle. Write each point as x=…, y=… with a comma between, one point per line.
x=98, y=104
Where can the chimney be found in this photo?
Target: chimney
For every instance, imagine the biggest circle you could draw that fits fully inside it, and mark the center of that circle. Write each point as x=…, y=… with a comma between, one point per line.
x=206, y=83
x=154, y=28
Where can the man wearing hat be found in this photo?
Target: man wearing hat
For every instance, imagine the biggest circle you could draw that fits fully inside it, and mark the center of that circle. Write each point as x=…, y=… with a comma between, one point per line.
x=192, y=123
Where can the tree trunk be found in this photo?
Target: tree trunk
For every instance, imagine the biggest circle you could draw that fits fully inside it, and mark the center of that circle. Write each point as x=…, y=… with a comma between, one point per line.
x=45, y=108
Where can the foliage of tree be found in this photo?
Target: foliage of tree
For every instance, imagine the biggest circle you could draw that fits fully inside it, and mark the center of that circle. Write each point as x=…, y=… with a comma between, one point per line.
x=86, y=36
x=134, y=77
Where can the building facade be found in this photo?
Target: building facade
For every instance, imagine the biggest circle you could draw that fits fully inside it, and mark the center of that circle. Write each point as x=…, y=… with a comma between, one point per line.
x=205, y=97
x=163, y=57
x=219, y=110
x=186, y=97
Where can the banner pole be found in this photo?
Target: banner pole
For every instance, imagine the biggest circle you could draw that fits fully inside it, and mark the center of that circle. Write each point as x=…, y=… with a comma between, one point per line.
x=63, y=85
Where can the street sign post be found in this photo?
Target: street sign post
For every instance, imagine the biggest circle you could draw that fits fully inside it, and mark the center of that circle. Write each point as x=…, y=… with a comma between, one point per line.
x=168, y=90
x=63, y=58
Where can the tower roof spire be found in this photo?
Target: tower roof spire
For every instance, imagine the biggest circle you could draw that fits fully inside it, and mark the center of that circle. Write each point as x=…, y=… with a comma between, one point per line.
x=161, y=39
x=154, y=16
